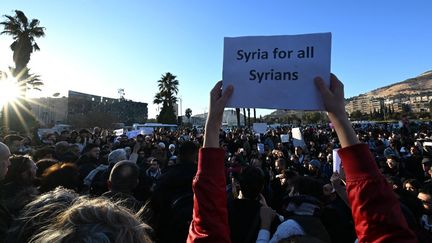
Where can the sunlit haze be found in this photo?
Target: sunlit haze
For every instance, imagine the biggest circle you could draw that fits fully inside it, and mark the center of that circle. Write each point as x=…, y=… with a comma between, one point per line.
x=10, y=91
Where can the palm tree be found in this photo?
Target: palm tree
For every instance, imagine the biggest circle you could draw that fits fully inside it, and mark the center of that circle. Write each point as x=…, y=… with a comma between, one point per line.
x=168, y=88
x=23, y=34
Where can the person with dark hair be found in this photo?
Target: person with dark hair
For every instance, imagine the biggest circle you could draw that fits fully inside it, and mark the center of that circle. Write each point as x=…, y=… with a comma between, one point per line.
x=89, y=159
x=49, y=139
x=122, y=181
x=25, y=146
x=97, y=179
x=61, y=174
x=172, y=199
x=61, y=148
x=335, y=213
x=13, y=142
x=425, y=196
x=277, y=185
x=412, y=185
x=64, y=136
x=394, y=168
x=301, y=212
x=243, y=213
x=393, y=149
x=18, y=186
x=46, y=152
x=427, y=170
x=44, y=164
x=153, y=170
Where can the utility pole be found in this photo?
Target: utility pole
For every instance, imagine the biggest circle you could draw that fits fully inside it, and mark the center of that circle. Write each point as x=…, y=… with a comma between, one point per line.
x=181, y=109
x=121, y=93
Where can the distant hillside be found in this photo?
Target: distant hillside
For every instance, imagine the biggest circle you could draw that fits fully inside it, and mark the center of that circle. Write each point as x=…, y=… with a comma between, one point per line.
x=421, y=83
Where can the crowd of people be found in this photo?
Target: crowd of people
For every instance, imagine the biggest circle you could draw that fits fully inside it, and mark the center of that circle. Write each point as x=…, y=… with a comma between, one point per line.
x=218, y=186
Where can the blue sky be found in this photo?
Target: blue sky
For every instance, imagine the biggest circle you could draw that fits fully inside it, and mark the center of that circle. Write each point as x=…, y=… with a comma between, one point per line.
x=98, y=46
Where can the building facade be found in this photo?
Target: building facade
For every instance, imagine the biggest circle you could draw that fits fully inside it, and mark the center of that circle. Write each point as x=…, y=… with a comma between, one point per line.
x=119, y=110
x=417, y=103
x=50, y=111
x=78, y=106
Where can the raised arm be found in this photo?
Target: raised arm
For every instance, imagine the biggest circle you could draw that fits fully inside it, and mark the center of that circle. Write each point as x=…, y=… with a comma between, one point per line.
x=210, y=214
x=376, y=210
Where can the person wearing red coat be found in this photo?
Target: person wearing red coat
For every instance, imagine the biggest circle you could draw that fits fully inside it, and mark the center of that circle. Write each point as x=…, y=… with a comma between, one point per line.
x=375, y=209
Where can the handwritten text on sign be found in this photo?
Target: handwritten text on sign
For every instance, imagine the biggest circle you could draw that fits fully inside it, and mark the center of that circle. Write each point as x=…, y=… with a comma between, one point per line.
x=276, y=71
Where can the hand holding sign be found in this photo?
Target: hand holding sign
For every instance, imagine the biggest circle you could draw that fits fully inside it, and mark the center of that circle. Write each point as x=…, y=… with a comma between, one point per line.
x=333, y=97
x=276, y=71
x=218, y=102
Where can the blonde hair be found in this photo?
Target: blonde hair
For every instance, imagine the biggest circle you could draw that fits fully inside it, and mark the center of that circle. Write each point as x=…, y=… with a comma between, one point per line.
x=38, y=214
x=95, y=220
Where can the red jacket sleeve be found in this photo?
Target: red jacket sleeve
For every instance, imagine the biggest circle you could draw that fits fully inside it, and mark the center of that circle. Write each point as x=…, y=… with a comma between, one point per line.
x=375, y=208
x=210, y=214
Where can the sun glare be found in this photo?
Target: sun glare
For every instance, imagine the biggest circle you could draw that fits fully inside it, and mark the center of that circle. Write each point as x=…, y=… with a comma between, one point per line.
x=10, y=91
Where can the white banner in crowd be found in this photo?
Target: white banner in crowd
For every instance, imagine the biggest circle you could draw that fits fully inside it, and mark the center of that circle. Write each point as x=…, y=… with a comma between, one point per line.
x=259, y=128
x=297, y=136
x=276, y=71
x=336, y=161
x=119, y=132
x=284, y=138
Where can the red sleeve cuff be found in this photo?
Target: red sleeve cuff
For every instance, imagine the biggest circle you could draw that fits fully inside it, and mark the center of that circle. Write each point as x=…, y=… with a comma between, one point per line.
x=358, y=162
x=211, y=161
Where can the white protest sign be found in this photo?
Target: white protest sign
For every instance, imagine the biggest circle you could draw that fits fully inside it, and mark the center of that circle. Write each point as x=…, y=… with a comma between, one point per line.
x=260, y=147
x=284, y=138
x=336, y=161
x=427, y=144
x=119, y=132
x=297, y=136
x=260, y=128
x=276, y=71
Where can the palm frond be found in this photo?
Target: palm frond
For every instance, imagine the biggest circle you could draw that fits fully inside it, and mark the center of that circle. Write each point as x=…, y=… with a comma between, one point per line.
x=11, y=22
x=37, y=32
x=36, y=47
x=22, y=18
x=34, y=23
x=9, y=32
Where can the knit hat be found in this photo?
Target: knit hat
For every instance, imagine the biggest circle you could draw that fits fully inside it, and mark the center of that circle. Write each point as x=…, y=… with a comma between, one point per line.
x=171, y=146
x=161, y=145
x=116, y=156
x=315, y=163
x=426, y=160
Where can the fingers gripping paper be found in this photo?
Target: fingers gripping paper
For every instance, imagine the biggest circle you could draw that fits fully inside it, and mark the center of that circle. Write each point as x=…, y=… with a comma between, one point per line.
x=276, y=71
